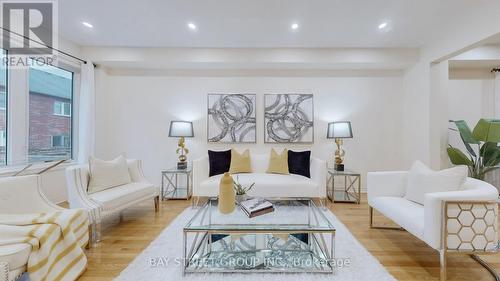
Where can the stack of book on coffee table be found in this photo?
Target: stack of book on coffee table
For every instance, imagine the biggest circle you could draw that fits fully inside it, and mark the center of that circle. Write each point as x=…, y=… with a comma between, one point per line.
x=256, y=207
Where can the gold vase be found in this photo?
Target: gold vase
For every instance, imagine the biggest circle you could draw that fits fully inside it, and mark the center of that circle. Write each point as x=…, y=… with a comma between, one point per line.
x=226, y=194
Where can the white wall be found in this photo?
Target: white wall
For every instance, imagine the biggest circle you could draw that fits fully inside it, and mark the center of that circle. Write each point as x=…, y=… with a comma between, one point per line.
x=415, y=129
x=438, y=115
x=470, y=100
x=134, y=112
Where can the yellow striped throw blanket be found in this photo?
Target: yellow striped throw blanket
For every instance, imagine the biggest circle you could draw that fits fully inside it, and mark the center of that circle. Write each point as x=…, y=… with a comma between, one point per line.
x=56, y=238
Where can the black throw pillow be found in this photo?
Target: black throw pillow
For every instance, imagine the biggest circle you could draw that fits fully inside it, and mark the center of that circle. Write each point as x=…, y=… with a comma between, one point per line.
x=299, y=163
x=219, y=162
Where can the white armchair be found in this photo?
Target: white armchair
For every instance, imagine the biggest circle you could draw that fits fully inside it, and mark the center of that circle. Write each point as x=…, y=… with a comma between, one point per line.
x=110, y=201
x=20, y=195
x=454, y=221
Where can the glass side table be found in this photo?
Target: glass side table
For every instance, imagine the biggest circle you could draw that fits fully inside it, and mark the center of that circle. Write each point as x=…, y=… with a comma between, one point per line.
x=350, y=192
x=176, y=183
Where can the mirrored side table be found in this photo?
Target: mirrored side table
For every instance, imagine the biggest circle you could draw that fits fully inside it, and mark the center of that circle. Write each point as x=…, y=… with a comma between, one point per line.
x=350, y=192
x=177, y=183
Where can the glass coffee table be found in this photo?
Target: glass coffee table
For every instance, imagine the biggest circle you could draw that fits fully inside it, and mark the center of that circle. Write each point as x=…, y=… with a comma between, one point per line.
x=296, y=237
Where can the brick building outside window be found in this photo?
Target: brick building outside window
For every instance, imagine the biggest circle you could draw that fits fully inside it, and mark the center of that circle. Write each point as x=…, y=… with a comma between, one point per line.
x=50, y=114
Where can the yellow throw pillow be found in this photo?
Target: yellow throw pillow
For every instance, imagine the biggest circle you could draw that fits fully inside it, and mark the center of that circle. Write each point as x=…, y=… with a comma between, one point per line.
x=278, y=164
x=240, y=163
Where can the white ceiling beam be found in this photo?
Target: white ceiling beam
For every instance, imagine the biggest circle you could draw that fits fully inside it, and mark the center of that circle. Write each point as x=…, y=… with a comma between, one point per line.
x=487, y=52
x=242, y=58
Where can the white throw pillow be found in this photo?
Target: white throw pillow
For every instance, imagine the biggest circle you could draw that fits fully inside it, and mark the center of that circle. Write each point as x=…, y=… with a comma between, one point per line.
x=422, y=180
x=107, y=174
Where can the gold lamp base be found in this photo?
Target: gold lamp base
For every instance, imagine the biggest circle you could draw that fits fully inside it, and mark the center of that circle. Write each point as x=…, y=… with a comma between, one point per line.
x=182, y=164
x=339, y=156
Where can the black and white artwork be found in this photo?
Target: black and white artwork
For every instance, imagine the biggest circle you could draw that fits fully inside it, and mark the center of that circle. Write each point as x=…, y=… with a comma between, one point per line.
x=288, y=118
x=231, y=118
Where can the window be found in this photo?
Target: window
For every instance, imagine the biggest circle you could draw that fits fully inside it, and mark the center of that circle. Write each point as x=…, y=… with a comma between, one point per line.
x=3, y=139
x=3, y=100
x=60, y=141
x=62, y=108
x=50, y=120
x=3, y=109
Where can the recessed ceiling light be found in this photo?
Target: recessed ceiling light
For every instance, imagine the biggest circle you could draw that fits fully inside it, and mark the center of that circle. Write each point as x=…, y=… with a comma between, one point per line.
x=294, y=26
x=192, y=26
x=383, y=25
x=87, y=24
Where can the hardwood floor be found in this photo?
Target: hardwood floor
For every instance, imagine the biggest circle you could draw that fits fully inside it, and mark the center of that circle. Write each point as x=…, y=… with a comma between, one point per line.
x=404, y=256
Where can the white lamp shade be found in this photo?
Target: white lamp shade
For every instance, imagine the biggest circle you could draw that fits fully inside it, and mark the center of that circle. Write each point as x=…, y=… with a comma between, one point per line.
x=340, y=129
x=181, y=129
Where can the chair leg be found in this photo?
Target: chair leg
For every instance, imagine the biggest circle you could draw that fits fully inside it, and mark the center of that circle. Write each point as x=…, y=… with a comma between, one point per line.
x=442, y=265
x=95, y=234
x=157, y=203
x=381, y=227
x=91, y=236
x=371, y=217
x=89, y=242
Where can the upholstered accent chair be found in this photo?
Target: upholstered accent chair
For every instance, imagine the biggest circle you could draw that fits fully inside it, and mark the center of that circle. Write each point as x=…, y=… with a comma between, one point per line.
x=110, y=201
x=18, y=196
x=462, y=221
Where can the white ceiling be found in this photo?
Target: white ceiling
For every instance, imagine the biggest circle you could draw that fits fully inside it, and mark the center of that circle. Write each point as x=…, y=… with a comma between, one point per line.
x=259, y=23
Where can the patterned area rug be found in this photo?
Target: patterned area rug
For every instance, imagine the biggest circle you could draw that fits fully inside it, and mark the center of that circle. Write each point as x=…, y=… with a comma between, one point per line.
x=160, y=260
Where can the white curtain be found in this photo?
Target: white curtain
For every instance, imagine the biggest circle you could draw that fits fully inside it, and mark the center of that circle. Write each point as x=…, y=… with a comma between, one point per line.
x=86, y=116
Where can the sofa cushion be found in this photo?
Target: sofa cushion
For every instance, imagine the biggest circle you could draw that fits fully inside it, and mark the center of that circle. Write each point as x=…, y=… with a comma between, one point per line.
x=219, y=162
x=422, y=180
x=240, y=162
x=107, y=174
x=299, y=163
x=16, y=255
x=407, y=214
x=259, y=162
x=115, y=197
x=266, y=185
x=278, y=163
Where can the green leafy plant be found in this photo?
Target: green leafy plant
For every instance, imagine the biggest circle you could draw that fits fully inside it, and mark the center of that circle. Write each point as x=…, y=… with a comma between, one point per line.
x=481, y=145
x=240, y=189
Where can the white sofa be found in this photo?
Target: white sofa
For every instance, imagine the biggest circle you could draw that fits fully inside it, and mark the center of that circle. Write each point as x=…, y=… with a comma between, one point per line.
x=20, y=195
x=266, y=185
x=446, y=220
x=109, y=201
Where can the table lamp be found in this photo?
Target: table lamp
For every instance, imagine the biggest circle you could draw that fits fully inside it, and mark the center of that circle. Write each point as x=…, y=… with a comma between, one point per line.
x=339, y=130
x=182, y=130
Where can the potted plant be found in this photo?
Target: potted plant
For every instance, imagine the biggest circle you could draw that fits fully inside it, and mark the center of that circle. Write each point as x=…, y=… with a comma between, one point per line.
x=481, y=144
x=241, y=191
